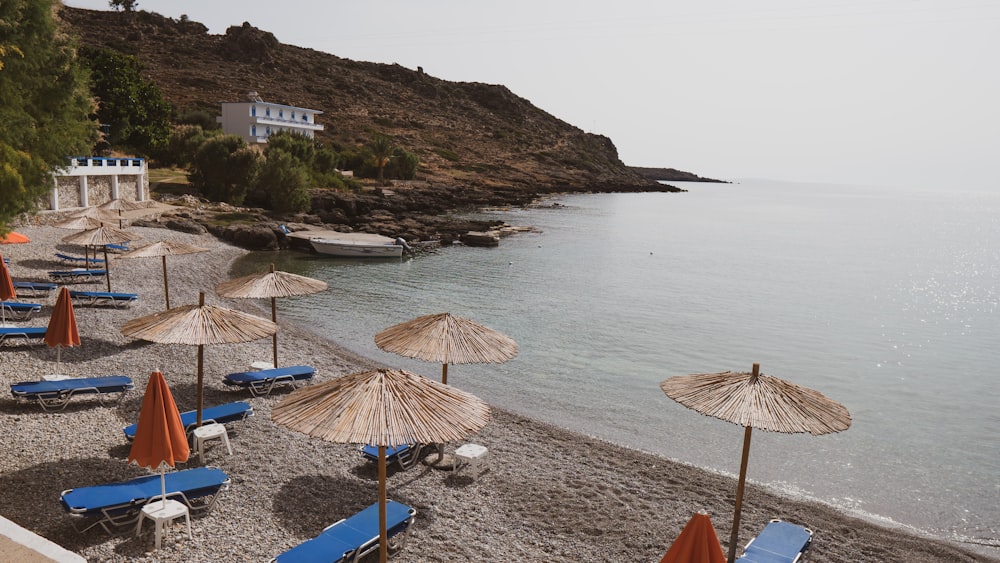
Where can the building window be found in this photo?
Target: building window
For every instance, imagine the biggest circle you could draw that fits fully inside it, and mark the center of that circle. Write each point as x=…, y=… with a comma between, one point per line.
x=293, y=115
x=253, y=111
x=281, y=113
x=267, y=112
x=253, y=131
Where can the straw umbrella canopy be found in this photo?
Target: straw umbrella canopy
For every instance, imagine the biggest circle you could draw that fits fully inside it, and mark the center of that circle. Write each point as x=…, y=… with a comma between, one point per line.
x=163, y=249
x=160, y=440
x=448, y=339
x=199, y=325
x=102, y=236
x=755, y=400
x=62, y=330
x=384, y=408
x=7, y=290
x=697, y=543
x=14, y=238
x=270, y=285
x=118, y=205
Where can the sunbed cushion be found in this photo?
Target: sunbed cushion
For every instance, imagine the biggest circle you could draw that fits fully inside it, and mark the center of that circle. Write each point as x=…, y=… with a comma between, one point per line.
x=105, y=384
x=778, y=542
x=354, y=535
x=194, y=483
x=296, y=373
x=223, y=414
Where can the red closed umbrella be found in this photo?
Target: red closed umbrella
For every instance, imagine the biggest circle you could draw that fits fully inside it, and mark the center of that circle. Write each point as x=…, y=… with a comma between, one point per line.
x=14, y=238
x=160, y=440
x=7, y=290
x=62, y=330
x=697, y=543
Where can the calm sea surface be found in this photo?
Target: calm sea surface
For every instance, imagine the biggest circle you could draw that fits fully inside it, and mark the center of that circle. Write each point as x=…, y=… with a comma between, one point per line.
x=885, y=300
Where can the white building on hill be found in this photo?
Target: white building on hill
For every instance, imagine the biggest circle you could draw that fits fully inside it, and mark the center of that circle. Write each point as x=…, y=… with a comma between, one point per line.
x=256, y=120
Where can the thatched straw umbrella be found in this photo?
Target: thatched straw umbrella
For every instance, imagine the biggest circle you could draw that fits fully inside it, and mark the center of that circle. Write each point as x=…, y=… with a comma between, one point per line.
x=102, y=236
x=755, y=400
x=384, y=408
x=270, y=285
x=198, y=325
x=163, y=249
x=118, y=205
x=447, y=339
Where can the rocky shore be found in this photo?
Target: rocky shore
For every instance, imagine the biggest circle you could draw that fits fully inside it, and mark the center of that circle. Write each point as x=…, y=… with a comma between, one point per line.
x=549, y=494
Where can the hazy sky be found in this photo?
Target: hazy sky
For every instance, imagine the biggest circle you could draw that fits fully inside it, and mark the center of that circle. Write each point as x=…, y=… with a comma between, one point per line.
x=893, y=92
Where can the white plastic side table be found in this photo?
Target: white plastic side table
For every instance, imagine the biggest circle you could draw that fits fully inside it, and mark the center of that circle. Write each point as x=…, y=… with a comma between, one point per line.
x=213, y=431
x=472, y=455
x=163, y=512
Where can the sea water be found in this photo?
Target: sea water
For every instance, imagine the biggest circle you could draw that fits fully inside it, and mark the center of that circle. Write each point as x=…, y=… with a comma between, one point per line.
x=886, y=300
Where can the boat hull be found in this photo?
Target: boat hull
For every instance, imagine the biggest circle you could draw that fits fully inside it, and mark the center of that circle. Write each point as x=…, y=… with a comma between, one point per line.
x=350, y=249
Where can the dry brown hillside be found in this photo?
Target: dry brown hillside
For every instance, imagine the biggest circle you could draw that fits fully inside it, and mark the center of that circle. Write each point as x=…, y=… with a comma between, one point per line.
x=467, y=134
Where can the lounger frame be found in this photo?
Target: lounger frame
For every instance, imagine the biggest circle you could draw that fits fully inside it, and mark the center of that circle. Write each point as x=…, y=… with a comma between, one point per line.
x=77, y=275
x=29, y=333
x=103, y=298
x=124, y=516
x=265, y=384
x=406, y=455
x=58, y=399
x=35, y=288
x=207, y=418
x=766, y=555
x=15, y=311
x=371, y=542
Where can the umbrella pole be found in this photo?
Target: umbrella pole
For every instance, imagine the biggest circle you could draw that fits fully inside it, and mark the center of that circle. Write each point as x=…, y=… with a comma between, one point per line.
x=166, y=290
x=734, y=535
x=444, y=373
x=383, y=539
x=107, y=268
x=201, y=392
x=274, y=337
x=163, y=487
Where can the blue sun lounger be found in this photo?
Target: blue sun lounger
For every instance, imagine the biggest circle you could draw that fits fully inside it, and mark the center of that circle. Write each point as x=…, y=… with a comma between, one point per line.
x=28, y=333
x=222, y=414
x=56, y=394
x=116, y=505
x=352, y=538
x=264, y=381
x=405, y=455
x=20, y=311
x=34, y=287
x=103, y=298
x=70, y=259
x=76, y=274
x=778, y=542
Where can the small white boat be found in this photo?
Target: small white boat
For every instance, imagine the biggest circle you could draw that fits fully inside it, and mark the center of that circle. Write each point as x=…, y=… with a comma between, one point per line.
x=353, y=246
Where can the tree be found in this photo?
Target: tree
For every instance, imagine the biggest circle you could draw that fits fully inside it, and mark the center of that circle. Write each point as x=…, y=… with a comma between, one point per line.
x=224, y=168
x=283, y=182
x=45, y=105
x=133, y=107
x=382, y=147
x=128, y=6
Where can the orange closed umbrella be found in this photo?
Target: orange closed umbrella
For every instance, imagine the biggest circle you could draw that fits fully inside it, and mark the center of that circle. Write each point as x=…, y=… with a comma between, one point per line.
x=697, y=543
x=160, y=440
x=62, y=331
x=14, y=238
x=7, y=290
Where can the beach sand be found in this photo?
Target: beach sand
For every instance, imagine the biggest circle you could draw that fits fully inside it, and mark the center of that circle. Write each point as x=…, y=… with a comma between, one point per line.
x=548, y=495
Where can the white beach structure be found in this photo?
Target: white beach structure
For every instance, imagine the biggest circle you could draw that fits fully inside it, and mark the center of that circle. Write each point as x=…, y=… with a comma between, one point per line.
x=256, y=120
x=94, y=180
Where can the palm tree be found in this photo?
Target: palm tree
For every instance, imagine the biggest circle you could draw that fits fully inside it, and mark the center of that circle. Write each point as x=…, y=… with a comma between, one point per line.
x=382, y=149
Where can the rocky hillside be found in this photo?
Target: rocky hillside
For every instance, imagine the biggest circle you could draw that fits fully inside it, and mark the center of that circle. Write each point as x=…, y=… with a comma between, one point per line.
x=478, y=144
x=472, y=134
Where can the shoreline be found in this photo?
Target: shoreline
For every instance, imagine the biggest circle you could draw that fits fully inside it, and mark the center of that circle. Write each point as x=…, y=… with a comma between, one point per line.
x=550, y=494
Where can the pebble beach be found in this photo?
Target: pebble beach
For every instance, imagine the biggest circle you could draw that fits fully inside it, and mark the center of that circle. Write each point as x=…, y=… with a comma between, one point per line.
x=548, y=494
